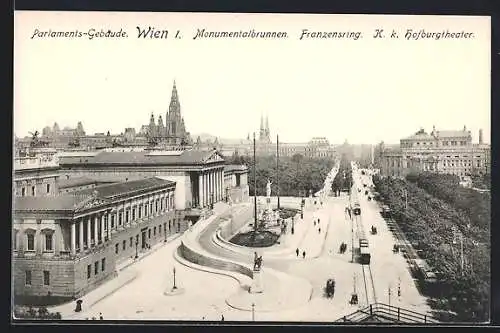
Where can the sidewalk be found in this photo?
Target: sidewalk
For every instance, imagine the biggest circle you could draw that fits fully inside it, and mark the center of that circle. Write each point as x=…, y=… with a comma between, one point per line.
x=123, y=278
x=141, y=255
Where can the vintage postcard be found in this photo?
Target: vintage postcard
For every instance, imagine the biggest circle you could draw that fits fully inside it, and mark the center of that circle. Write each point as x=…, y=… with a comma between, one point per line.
x=251, y=168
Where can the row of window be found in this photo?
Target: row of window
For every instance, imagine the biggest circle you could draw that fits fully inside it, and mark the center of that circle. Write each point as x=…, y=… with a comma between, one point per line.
x=33, y=190
x=48, y=244
x=130, y=214
x=46, y=278
x=96, y=268
x=131, y=239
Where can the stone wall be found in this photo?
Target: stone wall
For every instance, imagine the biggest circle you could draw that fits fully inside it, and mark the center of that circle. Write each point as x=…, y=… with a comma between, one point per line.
x=239, y=194
x=199, y=259
x=61, y=273
x=69, y=277
x=229, y=228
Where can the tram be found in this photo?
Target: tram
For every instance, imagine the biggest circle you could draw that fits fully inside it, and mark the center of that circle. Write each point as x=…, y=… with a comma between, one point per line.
x=364, y=256
x=364, y=250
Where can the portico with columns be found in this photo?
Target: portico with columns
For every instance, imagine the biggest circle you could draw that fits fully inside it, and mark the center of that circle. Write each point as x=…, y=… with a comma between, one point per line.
x=199, y=175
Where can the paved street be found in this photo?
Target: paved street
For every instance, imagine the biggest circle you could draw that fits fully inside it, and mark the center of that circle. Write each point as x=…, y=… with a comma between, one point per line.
x=389, y=270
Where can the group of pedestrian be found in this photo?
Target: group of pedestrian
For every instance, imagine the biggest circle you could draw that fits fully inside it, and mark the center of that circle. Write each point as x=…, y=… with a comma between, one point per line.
x=100, y=317
x=297, y=251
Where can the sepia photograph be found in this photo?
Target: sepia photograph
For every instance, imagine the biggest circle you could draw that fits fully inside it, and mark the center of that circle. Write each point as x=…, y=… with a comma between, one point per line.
x=202, y=167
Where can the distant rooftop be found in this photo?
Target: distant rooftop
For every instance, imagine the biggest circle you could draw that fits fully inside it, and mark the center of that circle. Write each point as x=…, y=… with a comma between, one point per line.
x=78, y=181
x=185, y=157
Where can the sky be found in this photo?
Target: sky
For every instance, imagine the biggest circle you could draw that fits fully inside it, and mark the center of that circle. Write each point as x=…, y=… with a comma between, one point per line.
x=364, y=91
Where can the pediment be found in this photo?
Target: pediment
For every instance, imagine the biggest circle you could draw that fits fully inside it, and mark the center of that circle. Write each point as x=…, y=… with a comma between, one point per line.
x=214, y=157
x=91, y=203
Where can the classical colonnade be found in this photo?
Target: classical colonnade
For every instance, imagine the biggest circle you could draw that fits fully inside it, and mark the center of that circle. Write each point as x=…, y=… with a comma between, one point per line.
x=210, y=186
x=99, y=226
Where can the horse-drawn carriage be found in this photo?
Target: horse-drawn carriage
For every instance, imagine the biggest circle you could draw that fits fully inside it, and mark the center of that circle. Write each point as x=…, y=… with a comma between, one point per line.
x=330, y=288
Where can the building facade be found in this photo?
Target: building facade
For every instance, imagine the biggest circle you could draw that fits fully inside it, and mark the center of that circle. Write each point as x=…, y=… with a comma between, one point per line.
x=236, y=183
x=65, y=246
x=36, y=174
x=199, y=175
x=450, y=152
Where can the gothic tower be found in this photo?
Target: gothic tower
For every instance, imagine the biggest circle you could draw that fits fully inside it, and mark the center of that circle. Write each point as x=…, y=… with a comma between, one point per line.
x=268, y=132
x=262, y=132
x=160, y=128
x=152, y=126
x=174, y=123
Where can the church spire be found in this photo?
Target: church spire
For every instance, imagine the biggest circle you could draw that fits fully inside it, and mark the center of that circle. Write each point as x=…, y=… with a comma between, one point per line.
x=268, y=133
x=174, y=101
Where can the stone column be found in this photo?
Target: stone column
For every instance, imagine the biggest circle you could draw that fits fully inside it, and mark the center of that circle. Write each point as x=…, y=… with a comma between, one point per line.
x=96, y=230
x=219, y=174
x=222, y=190
x=205, y=182
x=102, y=228
x=89, y=225
x=211, y=186
x=80, y=225
x=73, y=237
x=200, y=190
x=214, y=176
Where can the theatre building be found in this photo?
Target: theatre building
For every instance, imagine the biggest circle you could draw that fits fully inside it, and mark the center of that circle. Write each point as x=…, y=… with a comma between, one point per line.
x=66, y=245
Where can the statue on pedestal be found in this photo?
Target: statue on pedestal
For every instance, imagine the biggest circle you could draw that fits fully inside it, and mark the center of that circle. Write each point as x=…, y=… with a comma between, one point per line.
x=268, y=188
x=257, y=262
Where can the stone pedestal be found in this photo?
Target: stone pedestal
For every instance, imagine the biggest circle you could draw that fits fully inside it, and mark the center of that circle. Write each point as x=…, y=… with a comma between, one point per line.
x=257, y=286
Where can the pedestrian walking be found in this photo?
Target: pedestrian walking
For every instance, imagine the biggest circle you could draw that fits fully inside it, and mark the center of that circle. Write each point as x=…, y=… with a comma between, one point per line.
x=319, y=230
x=297, y=251
x=100, y=316
x=314, y=222
x=304, y=254
x=222, y=318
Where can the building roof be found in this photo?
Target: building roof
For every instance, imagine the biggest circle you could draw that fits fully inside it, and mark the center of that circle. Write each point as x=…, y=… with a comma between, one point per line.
x=187, y=157
x=127, y=188
x=234, y=167
x=77, y=181
x=452, y=134
x=79, y=199
x=420, y=135
x=48, y=203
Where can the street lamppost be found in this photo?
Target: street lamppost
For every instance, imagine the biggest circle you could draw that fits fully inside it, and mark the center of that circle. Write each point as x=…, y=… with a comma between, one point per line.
x=136, y=245
x=253, y=311
x=293, y=224
x=165, y=232
x=174, y=287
